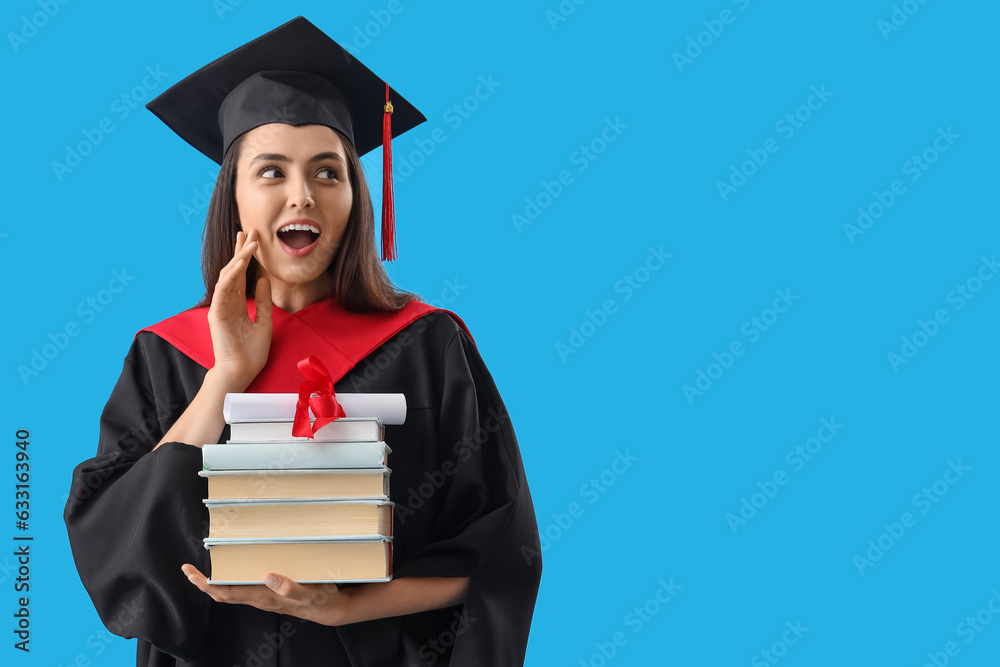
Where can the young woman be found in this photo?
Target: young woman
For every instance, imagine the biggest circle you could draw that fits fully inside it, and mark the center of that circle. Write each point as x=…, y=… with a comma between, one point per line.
x=291, y=270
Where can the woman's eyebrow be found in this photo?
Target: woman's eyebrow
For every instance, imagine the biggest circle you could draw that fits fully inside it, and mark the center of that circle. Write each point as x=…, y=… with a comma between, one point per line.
x=329, y=155
x=278, y=157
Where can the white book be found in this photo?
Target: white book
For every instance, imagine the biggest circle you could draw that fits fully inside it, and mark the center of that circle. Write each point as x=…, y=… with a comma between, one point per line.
x=345, y=429
x=282, y=455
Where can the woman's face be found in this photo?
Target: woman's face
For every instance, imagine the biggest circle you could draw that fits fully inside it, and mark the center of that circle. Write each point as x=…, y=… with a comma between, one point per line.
x=293, y=188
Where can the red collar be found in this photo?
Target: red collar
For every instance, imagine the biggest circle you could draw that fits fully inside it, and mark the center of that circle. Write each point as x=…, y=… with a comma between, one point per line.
x=340, y=339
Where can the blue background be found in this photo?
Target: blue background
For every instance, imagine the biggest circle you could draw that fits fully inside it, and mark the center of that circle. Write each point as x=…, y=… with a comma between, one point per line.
x=584, y=383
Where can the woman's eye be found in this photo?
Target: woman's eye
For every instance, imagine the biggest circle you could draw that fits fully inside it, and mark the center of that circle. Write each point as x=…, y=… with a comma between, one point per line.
x=328, y=173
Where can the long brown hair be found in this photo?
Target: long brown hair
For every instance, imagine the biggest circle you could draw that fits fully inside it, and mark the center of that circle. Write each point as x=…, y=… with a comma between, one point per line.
x=358, y=281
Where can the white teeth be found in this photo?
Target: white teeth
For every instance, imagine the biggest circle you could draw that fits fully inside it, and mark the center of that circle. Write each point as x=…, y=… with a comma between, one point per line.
x=300, y=227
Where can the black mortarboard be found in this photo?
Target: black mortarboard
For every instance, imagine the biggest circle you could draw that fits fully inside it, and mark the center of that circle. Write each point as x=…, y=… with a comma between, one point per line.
x=294, y=74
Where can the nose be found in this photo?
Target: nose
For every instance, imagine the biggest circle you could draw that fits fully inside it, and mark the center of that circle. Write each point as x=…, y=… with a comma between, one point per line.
x=299, y=194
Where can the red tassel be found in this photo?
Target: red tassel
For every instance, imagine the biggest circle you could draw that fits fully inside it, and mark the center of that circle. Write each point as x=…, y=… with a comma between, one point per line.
x=388, y=214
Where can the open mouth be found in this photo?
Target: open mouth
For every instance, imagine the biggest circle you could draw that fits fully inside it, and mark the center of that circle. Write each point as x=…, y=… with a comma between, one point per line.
x=299, y=236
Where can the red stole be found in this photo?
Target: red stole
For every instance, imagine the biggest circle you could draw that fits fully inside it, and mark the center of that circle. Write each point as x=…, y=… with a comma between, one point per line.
x=340, y=339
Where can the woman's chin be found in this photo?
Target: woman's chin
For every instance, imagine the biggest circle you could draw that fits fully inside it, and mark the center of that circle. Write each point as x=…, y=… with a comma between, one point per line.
x=301, y=272
x=294, y=281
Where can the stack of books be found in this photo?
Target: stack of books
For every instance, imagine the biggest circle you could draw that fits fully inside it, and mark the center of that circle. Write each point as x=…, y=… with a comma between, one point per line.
x=315, y=510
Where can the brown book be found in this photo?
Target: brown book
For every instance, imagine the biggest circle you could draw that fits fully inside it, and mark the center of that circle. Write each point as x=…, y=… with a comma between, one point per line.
x=354, y=483
x=328, y=561
x=318, y=518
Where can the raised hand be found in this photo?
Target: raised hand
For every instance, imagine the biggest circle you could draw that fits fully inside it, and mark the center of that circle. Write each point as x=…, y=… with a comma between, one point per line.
x=241, y=345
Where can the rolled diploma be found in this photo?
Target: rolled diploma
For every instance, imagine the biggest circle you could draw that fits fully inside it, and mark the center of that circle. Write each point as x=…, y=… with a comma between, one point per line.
x=390, y=408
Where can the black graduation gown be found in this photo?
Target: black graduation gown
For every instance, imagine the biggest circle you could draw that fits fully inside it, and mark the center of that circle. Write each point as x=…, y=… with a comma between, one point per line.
x=463, y=509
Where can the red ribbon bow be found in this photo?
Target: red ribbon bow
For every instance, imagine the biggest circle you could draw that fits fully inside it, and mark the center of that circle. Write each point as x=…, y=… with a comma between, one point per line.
x=324, y=405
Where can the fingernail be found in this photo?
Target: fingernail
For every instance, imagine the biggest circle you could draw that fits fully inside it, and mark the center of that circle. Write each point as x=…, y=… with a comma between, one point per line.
x=271, y=581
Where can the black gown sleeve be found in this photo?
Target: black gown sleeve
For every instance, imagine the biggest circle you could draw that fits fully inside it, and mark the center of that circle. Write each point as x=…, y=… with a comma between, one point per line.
x=130, y=515
x=493, y=507
x=463, y=509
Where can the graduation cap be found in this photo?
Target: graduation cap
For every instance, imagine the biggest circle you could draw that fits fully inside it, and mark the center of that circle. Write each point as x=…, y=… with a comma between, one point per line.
x=294, y=74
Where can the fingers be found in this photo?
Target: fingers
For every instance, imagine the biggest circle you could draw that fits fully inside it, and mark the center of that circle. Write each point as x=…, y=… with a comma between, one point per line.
x=258, y=596
x=216, y=592
x=201, y=581
x=263, y=303
x=286, y=588
x=279, y=594
x=193, y=574
x=235, y=271
x=280, y=585
x=246, y=246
